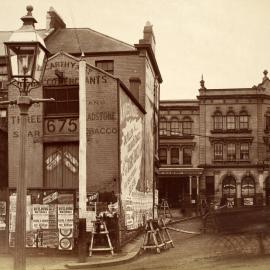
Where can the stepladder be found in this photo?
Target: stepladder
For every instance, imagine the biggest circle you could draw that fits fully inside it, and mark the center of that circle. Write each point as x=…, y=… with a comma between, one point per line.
x=165, y=233
x=164, y=209
x=100, y=238
x=153, y=238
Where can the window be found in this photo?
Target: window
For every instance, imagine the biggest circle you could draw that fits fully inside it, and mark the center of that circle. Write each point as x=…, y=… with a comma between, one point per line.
x=218, y=121
x=229, y=187
x=163, y=126
x=175, y=127
x=244, y=151
x=230, y=120
x=66, y=100
x=3, y=74
x=231, y=151
x=174, y=156
x=163, y=156
x=267, y=121
x=248, y=186
x=243, y=120
x=106, y=65
x=218, y=151
x=187, y=154
x=3, y=113
x=187, y=124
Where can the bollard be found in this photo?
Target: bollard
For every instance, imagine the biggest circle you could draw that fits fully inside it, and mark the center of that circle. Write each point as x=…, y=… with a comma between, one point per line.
x=82, y=237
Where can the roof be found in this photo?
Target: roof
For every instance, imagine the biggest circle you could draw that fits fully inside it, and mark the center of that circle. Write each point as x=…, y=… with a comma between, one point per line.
x=75, y=40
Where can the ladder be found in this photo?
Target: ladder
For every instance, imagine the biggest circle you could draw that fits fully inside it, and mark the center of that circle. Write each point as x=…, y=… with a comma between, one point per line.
x=100, y=230
x=165, y=233
x=152, y=238
x=164, y=206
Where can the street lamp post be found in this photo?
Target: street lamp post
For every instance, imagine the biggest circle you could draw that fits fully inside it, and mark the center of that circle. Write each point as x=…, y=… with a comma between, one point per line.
x=27, y=55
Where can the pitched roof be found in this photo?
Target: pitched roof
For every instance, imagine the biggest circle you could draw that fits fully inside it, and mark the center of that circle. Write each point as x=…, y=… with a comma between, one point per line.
x=75, y=40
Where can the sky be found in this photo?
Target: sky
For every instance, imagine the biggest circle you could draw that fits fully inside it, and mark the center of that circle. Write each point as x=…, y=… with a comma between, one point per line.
x=228, y=41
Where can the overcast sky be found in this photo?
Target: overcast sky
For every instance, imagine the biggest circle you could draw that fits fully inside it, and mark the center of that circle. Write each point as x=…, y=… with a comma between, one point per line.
x=225, y=40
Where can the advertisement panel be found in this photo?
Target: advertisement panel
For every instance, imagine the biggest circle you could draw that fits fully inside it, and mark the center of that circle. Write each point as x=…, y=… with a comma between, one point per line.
x=137, y=200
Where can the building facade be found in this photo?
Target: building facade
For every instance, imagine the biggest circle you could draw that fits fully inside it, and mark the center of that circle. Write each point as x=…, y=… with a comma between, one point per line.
x=121, y=84
x=230, y=134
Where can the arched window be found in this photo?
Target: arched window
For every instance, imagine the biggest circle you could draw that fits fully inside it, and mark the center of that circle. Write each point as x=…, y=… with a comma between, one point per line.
x=229, y=187
x=267, y=190
x=187, y=126
x=230, y=120
x=163, y=126
x=248, y=190
x=218, y=121
x=175, y=130
x=248, y=186
x=243, y=120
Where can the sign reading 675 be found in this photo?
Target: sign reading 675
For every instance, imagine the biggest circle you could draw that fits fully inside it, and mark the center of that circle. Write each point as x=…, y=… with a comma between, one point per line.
x=65, y=125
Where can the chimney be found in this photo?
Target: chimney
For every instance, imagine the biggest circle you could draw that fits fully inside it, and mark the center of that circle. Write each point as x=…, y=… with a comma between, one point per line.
x=53, y=20
x=134, y=86
x=148, y=36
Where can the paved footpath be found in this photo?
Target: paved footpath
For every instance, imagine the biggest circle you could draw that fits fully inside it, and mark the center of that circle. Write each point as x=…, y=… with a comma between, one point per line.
x=204, y=251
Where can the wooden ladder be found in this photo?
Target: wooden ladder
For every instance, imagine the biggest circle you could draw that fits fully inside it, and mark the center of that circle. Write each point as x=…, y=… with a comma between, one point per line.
x=165, y=233
x=100, y=229
x=164, y=206
x=152, y=238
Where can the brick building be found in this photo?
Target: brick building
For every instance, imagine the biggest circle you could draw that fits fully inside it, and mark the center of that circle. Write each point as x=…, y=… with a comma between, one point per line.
x=121, y=100
x=229, y=141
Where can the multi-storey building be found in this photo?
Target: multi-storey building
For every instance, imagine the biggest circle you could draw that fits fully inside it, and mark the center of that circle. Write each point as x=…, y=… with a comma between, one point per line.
x=122, y=94
x=179, y=151
x=231, y=145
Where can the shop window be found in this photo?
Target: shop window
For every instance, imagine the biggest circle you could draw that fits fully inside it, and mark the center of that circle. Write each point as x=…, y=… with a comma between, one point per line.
x=187, y=126
x=229, y=187
x=267, y=190
x=218, y=151
x=218, y=121
x=244, y=151
x=231, y=151
x=248, y=190
x=66, y=101
x=187, y=156
x=163, y=126
x=61, y=165
x=163, y=156
x=106, y=65
x=230, y=120
x=248, y=186
x=175, y=129
x=174, y=156
x=243, y=120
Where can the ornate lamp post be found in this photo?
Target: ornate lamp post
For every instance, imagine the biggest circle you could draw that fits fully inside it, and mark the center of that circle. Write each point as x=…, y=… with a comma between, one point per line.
x=27, y=55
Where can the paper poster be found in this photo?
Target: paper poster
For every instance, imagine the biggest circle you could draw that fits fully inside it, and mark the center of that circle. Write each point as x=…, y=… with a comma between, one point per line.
x=90, y=218
x=65, y=216
x=40, y=216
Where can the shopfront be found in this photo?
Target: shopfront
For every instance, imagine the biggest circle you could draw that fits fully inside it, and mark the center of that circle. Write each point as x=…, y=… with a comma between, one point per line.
x=179, y=187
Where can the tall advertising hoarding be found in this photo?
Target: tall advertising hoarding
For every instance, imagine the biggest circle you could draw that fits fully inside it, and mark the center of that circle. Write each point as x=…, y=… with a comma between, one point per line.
x=137, y=201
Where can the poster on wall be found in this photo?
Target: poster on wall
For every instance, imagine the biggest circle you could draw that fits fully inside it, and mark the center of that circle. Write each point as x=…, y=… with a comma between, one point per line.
x=248, y=201
x=65, y=216
x=40, y=214
x=136, y=196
